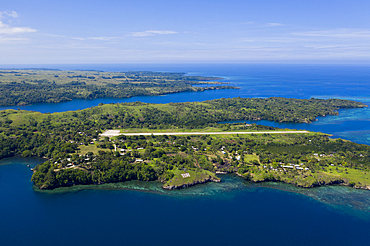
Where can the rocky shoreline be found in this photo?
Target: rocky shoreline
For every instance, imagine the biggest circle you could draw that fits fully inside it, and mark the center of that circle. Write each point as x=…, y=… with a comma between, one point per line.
x=173, y=187
x=316, y=184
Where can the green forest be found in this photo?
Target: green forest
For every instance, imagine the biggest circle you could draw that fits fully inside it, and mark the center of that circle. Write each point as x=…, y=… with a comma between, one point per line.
x=23, y=87
x=305, y=160
x=76, y=154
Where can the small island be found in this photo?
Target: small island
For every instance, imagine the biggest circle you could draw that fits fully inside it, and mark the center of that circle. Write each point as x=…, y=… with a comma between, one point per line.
x=183, y=144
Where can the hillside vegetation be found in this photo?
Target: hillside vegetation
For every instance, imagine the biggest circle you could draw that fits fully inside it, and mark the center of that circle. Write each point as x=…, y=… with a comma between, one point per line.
x=24, y=132
x=305, y=160
x=76, y=154
x=22, y=87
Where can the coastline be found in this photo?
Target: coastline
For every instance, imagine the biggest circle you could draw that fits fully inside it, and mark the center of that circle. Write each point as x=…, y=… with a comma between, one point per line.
x=214, y=179
x=172, y=187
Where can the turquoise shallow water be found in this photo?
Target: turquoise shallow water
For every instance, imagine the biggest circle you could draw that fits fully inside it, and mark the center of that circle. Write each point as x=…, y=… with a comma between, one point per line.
x=233, y=212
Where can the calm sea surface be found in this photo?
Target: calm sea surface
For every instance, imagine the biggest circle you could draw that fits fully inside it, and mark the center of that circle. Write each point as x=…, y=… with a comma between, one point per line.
x=232, y=212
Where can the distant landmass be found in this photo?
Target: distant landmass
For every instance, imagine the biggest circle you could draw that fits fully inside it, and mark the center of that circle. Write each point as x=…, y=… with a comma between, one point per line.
x=23, y=87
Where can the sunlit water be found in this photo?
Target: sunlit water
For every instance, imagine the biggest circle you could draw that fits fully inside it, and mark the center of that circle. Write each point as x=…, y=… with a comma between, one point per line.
x=233, y=212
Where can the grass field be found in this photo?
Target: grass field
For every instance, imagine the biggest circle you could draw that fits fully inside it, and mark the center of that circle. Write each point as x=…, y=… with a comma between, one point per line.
x=253, y=157
x=359, y=177
x=195, y=176
x=90, y=148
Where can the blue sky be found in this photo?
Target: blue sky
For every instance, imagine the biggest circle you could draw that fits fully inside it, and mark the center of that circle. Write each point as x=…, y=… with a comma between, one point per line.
x=162, y=31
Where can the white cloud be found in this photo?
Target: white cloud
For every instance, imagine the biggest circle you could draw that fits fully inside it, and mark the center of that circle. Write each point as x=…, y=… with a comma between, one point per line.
x=95, y=38
x=12, y=14
x=337, y=33
x=77, y=38
x=274, y=24
x=12, y=40
x=102, y=38
x=55, y=36
x=83, y=39
x=151, y=33
x=8, y=30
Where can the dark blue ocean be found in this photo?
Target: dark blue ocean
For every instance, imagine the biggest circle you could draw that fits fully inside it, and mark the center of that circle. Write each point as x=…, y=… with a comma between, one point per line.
x=233, y=212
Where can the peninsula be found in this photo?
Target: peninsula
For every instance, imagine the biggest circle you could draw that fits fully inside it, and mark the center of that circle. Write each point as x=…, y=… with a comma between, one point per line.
x=182, y=144
x=23, y=87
